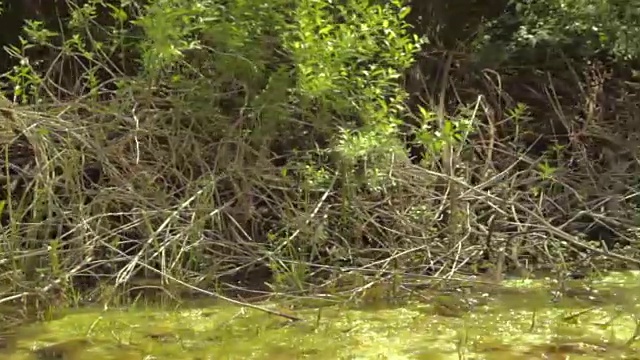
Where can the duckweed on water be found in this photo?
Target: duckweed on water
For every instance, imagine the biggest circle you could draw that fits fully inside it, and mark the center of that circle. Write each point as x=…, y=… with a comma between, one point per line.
x=520, y=321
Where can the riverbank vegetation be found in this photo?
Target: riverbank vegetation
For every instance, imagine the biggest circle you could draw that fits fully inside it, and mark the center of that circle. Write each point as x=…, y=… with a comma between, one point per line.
x=240, y=147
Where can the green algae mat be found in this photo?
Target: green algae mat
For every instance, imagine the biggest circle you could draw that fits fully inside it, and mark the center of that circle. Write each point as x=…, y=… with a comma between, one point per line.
x=523, y=319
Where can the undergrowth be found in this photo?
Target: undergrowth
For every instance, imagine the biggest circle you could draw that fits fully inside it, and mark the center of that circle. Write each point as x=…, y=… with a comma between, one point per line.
x=206, y=146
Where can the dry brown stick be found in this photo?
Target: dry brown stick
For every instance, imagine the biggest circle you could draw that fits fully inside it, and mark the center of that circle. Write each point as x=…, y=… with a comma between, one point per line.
x=447, y=153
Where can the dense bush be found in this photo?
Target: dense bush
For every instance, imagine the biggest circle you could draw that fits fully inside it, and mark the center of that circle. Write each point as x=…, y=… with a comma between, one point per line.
x=210, y=141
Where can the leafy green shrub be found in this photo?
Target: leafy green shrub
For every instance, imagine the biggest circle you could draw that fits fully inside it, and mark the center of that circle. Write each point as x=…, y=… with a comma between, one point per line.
x=350, y=59
x=582, y=28
x=594, y=24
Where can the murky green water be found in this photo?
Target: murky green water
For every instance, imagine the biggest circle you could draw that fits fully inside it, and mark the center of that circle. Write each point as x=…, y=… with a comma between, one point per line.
x=521, y=320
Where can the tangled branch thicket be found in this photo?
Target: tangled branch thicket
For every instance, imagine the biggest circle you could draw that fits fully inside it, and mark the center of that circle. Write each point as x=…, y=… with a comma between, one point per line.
x=231, y=149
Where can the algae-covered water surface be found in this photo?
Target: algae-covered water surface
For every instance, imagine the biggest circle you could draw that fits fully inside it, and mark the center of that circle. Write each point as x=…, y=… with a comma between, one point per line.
x=522, y=319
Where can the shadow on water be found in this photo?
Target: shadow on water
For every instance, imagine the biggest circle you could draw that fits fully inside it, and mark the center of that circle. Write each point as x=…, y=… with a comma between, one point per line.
x=520, y=319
